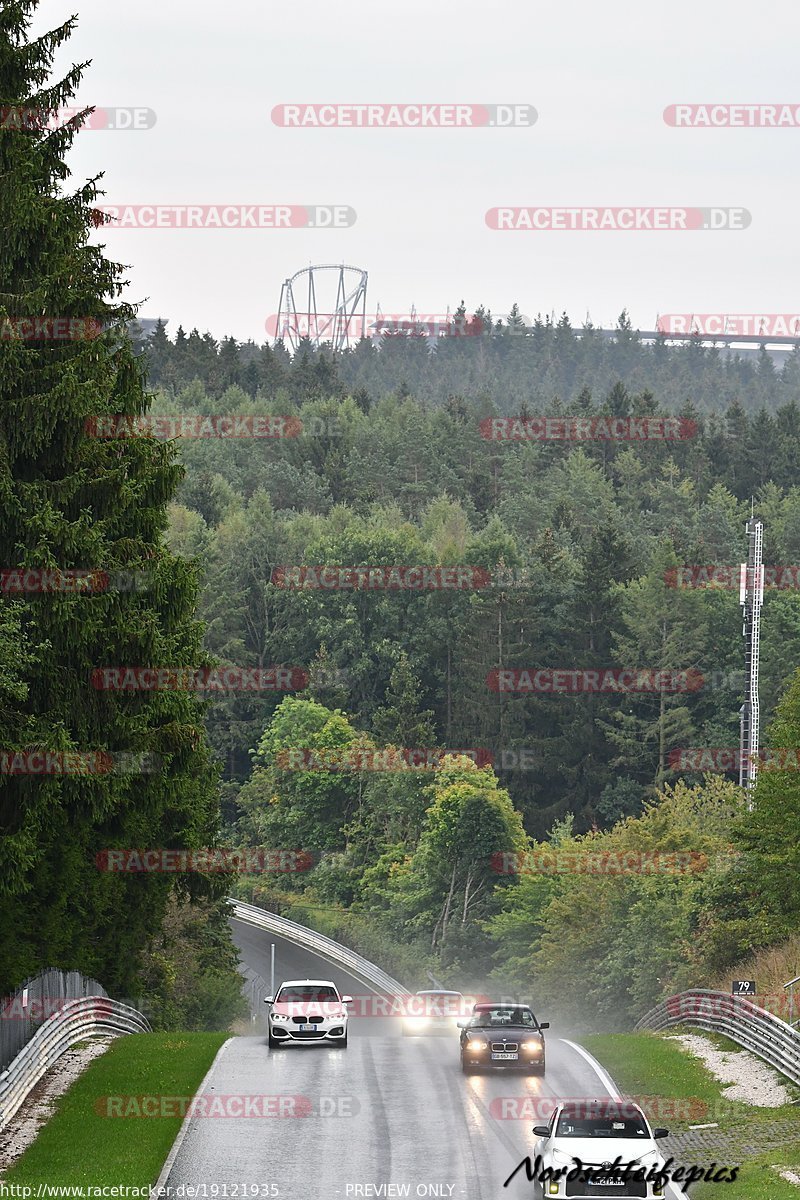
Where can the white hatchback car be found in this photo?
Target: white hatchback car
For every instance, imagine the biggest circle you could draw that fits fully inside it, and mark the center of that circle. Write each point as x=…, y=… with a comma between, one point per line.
x=307, y=1010
x=600, y=1134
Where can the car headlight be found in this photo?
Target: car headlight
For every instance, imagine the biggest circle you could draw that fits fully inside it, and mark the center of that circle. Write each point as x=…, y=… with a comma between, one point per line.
x=562, y=1159
x=532, y=1047
x=477, y=1044
x=279, y=1017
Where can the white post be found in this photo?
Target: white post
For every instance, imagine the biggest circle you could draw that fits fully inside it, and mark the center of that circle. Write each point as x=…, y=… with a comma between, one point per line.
x=751, y=597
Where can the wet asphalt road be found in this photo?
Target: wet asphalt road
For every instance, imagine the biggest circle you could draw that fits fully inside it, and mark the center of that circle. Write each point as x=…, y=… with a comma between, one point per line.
x=388, y=1110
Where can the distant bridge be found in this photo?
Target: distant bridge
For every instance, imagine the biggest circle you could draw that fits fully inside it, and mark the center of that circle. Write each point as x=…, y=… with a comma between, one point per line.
x=751, y=341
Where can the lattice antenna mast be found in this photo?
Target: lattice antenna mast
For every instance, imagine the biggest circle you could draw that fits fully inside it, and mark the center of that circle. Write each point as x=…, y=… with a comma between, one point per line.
x=751, y=597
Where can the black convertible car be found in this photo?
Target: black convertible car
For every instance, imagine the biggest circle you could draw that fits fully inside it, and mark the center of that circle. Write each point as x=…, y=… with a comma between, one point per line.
x=502, y=1036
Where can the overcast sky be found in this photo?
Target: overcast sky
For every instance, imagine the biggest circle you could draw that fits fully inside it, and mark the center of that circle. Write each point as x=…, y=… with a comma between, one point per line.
x=598, y=75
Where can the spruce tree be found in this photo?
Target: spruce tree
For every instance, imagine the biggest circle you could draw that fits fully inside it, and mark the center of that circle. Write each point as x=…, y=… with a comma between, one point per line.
x=71, y=500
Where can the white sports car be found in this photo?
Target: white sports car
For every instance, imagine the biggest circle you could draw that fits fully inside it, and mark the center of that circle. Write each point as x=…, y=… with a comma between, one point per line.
x=307, y=1010
x=602, y=1135
x=432, y=1012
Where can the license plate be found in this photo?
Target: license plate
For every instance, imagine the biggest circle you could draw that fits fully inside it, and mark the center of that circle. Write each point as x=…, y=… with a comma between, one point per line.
x=302, y=1027
x=505, y=1054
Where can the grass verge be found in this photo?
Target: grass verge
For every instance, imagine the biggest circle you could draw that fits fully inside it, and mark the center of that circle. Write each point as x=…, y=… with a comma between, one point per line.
x=758, y=1179
x=644, y=1064
x=80, y=1146
x=677, y=1091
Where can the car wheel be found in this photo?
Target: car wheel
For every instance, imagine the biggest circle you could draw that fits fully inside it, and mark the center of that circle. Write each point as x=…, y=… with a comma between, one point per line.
x=538, y=1069
x=343, y=1043
x=466, y=1067
x=272, y=1042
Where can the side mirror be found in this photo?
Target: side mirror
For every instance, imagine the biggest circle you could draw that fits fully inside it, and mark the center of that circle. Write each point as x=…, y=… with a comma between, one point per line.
x=347, y=999
x=542, y=1130
x=269, y=999
x=660, y=1133
x=544, y=1024
x=461, y=1024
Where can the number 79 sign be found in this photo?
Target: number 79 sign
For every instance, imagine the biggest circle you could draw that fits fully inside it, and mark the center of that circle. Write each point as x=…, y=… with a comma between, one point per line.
x=743, y=987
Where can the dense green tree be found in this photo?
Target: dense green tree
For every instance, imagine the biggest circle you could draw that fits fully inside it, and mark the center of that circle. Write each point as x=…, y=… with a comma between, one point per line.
x=293, y=801
x=662, y=633
x=72, y=500
x=608, y=919
x=401, y=720
x=449, y=883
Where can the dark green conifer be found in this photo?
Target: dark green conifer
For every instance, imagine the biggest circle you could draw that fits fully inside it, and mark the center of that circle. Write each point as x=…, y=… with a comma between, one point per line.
x=68, y=500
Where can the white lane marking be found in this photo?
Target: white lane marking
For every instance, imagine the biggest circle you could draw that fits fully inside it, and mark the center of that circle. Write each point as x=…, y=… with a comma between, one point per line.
x=184, y=1129
x=602, y=1074
x=608, y=1083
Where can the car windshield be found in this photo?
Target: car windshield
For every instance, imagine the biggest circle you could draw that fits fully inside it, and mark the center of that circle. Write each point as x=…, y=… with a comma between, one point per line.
x=492, y=1018
x=308, y=994
x=601, y=1127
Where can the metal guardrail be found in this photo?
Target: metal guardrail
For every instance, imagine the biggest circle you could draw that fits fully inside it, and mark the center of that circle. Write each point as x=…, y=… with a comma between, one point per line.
x=751, y=1027
x=75, y=1021
x=791, y=986
x=23, y=1012
x=325, y=947
x=255, y=991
